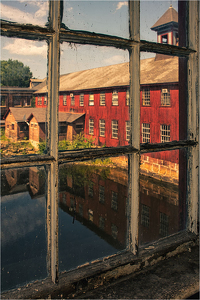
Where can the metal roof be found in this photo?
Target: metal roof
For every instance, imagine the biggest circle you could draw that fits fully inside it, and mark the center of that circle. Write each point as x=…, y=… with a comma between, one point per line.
x=169, y=16
x=152, y=71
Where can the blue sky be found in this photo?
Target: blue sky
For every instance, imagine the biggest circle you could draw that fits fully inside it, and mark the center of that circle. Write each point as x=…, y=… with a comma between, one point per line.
x=109, y=17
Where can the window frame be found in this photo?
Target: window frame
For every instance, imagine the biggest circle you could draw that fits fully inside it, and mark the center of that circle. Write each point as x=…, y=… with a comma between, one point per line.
x=102, y=127
x=102, y=99
x=146, y=96
x=115, y=98
x=115, y=129
x=146, y=135
x=91, y=99
x=165, y=99
x=53, y=34
x=91, y=126
x=165, y=133
x=81, y=99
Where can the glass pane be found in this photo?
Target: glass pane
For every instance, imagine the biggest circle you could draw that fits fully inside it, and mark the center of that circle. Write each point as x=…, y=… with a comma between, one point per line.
x=94, y=97
x=23, y=116
x=162, y=194
x=108, y=17
x=28, y=12
x=159, y=99
x=92, y=210
x=161, y=25
x=23, y=226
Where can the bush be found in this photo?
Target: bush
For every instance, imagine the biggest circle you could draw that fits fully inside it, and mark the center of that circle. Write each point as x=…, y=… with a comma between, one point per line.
x=42, y=147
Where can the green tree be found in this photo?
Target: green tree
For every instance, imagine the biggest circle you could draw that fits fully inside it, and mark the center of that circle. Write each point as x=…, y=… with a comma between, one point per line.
x=14, y=73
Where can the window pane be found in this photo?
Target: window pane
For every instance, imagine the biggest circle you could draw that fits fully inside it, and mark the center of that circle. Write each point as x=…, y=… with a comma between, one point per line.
x=98, y=80
x=162, y=194
x=92, y=210
x=23, y=111
x=159, y=99
x=108, y=17
x=28, y=12
x=23, y=226
x=162, y=24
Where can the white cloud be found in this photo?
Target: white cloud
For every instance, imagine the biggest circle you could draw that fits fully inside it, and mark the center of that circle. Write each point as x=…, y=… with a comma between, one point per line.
x=16, y=15
x=116, y=59
x=120, y=4
x=25, y=47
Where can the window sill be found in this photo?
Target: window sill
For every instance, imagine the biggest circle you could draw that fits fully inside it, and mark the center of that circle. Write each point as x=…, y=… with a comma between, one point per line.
x=101, y=272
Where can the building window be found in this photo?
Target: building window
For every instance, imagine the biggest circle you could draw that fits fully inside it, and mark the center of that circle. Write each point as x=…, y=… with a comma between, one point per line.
x=164, y=39
x=102, y=98
x=102, y=223
x=165, y=97
x=102, y=128
x=91, y=126
x=164, y=133
x=164, y=224
x=114, y=201
x=128, y=97
x=127, y=130
x=13, y=126
x=45, y=100
x=115, y=97
x=90, y=215
x=145, y=215
x=115, y=129
x=81, y=99
x=91, y=99
x=146, y=97
x=91, y=189
x=64, y=100
x=39, y=100
x=114, y=231
x=101, y=194
x=145, y=133
x=72, y=99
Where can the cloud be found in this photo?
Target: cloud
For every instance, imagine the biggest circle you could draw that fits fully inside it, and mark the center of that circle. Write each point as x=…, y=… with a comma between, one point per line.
x=116, y=59
x=120, y=4
x=16, y=15
x=24, y=47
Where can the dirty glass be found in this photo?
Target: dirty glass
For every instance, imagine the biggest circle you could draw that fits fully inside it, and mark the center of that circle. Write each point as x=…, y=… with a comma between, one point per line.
x=27, y=12
x=23, y=226
x=93, y=199
x=23, y=112
x=107, y=17
x=162, y=209
x=159, y=99
x=159, y=21
x=93, y=97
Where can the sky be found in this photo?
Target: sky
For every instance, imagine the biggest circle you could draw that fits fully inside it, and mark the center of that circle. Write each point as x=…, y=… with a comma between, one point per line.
x=108, y=17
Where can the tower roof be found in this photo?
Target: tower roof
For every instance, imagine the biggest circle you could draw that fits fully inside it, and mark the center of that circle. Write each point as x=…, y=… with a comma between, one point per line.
x=169, y=16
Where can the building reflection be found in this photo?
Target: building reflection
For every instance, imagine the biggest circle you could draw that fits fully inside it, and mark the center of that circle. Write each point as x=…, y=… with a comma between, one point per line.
x=97, y=197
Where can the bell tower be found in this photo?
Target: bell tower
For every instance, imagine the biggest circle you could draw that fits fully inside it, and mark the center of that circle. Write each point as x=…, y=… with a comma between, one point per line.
x=167, y=27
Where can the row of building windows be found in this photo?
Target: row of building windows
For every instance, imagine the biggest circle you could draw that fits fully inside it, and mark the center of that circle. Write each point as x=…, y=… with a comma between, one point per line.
x=164, y=130
x=165, y=98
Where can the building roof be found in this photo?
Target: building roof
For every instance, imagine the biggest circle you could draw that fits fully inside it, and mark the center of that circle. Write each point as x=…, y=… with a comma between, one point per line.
x=22, y=114
x=40, y=115
x=169, y=16
x=152, y=71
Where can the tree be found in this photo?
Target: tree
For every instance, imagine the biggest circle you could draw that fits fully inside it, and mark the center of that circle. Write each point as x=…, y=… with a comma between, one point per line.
x=14, y=73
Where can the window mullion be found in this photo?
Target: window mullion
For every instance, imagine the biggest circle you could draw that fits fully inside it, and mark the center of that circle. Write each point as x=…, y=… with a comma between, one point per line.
x=53, y=96
x=134, y=9
x=193, y=108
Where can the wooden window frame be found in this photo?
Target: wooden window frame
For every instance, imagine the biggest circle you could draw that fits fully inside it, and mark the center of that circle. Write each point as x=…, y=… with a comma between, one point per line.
x=54, y=34
x=146, y=133
x=102, y=127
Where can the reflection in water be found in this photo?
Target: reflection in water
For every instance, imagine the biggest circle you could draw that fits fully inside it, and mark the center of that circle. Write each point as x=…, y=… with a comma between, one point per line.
x=93, y=203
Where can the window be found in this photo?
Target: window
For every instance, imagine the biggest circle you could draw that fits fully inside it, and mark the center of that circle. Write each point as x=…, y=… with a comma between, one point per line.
x=64, y=99
x=72, y=99
x=146, y=97
x=102, y=128
x=164, y=133
x=39, y=100
x=91, y=99
x=91, y=126
x=13, y=126
x=128, y=97
x=102, y=98
x=115, y=129
x=115, y=97
x=101, y=194
x=127, y=130
x=145, y=133
x=164, y=39
x=90, y=189
x=114, y=201
x=81, y=99
x=51, y=159
x=145, y=216
x=102, y=223
x=165, y=97
x=45, y=100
